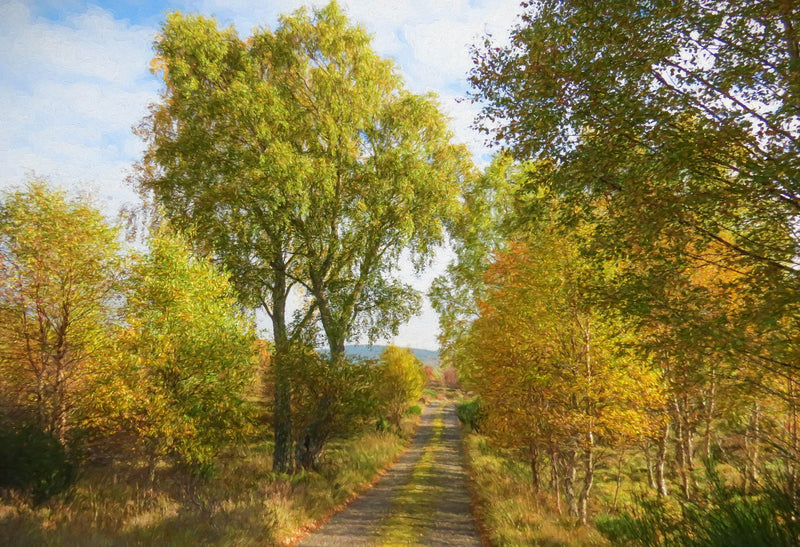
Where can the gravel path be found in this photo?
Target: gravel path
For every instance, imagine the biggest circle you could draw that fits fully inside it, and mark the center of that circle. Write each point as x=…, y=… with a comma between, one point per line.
x=360, y=521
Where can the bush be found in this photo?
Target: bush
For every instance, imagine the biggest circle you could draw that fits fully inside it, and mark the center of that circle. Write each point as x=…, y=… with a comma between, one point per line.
x=450, y=378
x=414, y=410
x=186, y=357
x=725, y=516
x=399, y=382
x=470, y=413
x=328, y=401
x=34, y=462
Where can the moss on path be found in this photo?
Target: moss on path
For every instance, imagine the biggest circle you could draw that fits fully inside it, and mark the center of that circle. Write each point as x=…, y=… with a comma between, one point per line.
x=422, y=500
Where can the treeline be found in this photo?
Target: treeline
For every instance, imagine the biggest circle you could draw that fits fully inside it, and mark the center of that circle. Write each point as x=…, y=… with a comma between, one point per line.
x=111, y=354
x=626, y=287
x=286, y=172
x=108, y=352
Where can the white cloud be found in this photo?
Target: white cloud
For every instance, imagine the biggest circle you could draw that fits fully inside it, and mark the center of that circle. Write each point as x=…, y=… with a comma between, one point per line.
x=89, y=45
x=72, y=89
x=70, y=94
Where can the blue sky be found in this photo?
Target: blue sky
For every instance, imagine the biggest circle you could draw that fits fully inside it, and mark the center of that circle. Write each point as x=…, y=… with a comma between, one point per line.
x=75, y=80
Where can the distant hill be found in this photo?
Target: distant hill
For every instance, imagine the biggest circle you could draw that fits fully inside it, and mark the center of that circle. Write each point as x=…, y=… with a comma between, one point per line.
x=428, y=357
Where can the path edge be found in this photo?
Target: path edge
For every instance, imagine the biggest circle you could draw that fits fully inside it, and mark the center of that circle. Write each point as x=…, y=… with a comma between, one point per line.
x=311, y=527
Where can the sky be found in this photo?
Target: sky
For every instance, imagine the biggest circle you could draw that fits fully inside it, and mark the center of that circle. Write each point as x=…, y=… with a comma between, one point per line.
x=75, y=80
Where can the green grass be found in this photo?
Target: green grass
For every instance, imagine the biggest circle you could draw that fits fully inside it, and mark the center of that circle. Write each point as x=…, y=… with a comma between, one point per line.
x=242, y=504
x=411, y=514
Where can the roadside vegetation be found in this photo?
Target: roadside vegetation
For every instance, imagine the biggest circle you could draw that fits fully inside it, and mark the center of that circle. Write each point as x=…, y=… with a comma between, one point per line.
x=508, y=510
x=241, y=503
x=624, y=299
x=624, y=302
x=136, y=400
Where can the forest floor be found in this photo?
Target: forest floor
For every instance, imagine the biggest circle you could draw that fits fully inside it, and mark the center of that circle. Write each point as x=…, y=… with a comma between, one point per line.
x=422, y=500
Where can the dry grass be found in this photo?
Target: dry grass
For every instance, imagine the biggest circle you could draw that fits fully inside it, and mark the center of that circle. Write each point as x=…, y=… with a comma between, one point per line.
x=507, y=508
x=243, y=504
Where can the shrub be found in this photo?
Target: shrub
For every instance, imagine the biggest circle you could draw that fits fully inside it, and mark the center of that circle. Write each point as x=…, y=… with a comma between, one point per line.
x=328, y=401
x=470, y=413
x=187, y=357
x=450, y=378
x=34, y=462
x=725, y=516
x=400, y=382
x=414, y=410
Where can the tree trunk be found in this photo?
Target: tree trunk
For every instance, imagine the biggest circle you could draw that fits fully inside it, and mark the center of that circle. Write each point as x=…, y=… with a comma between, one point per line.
x=588, y=478
x=661, y=462
x=683, y=447
x=588, y=447
x=752, y=445
x=534, y=458
x=710, y=404
x=792, y=460
x=555, y=478
x=651, y=478
x=568, y=481
x=619, y=480
x=282, y=419
x=688, y=449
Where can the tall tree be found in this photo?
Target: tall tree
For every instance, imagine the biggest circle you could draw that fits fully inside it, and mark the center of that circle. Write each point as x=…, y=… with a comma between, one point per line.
x=684, y=114
x=486, y=218
x=58, y=264
x=556, y=375
x=304, y=166
x=674, y=126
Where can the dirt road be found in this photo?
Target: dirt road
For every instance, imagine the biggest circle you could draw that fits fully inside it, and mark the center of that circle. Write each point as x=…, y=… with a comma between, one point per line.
x=422, y=500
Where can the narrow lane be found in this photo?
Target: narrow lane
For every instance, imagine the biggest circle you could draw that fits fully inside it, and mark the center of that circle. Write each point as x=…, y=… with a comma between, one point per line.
x=444, y=519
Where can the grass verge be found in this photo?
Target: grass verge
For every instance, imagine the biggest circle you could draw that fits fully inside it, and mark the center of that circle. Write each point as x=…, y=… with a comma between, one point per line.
x=242, y=504
x=509, y=512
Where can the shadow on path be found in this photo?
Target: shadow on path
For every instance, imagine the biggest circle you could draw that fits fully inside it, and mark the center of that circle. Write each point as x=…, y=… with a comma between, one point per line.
x=359, y=521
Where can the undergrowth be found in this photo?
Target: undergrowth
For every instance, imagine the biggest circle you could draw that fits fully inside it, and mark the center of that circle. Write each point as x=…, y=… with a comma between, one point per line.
x=243, y=503
x=509, y=511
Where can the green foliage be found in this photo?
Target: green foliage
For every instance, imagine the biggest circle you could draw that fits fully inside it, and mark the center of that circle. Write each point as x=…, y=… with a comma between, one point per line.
x=725, y=516
x=34, y=462
x=400, y=380
x=414, y=410
x=58, y=262
x=346, y=391
x=480, y=227
x=301, y=161
x=683, y=108
x=470, y=413
x=661, y=140
x=242, y=504
x=509, y=511
x=187, y=356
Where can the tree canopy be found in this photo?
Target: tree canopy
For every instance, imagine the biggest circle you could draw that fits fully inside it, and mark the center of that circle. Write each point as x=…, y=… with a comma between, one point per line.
x=59, y=264
x=185, y=359
x=684, y=114
x=304, y=167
